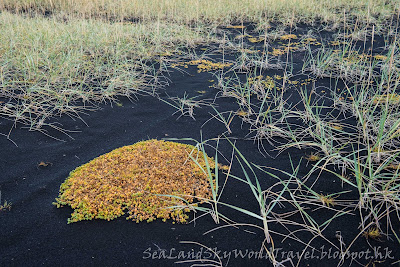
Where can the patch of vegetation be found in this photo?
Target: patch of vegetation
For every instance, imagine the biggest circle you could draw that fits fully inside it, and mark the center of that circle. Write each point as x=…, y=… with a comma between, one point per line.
x=5, y=206
x=227, y=12
x=146, y=180
x=55, y=54
x=49, y=67
x=203, y=65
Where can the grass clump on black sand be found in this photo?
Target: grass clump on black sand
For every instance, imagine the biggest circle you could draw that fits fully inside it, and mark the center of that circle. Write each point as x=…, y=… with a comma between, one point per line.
x=49, y=67
x=5, y=206
x=132, y=178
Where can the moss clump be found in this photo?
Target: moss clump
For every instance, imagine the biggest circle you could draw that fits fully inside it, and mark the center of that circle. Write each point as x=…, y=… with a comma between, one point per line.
x=256, y=40
x=129, y=179
x=389, y=98
x=288, y=37
x=267, y=82
x=277, y=52
x=203, y=65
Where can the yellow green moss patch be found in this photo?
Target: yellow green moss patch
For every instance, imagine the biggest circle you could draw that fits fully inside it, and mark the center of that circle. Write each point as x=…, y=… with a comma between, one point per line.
x=313, y=157
x=236, y=27
x=388, y=98
x=380, y=57
x=266, y=81
x=256, y=39
x=203, y=65
x=288, y=37
x=132, y=178
x=242, y=113
x=277, y=52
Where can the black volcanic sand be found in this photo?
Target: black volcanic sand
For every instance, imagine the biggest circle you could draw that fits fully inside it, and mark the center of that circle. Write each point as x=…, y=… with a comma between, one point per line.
x=36, y=233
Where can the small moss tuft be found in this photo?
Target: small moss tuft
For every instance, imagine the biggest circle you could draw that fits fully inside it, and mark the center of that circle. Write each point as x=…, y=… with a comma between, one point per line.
x=132, y=178
x=288, y=37
x=313, y=157
x=393, y=99
x=372, y=233
x=203, y=65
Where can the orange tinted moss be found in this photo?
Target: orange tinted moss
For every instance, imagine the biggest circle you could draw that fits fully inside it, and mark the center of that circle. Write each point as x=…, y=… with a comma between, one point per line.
x=129, y=178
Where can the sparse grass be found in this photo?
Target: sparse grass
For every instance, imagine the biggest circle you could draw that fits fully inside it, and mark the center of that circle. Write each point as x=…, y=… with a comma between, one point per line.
x=289, y=191
x=49, y=67
x=85, y=52
x=185, y=105
x=363, y=154
x=210, y=11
